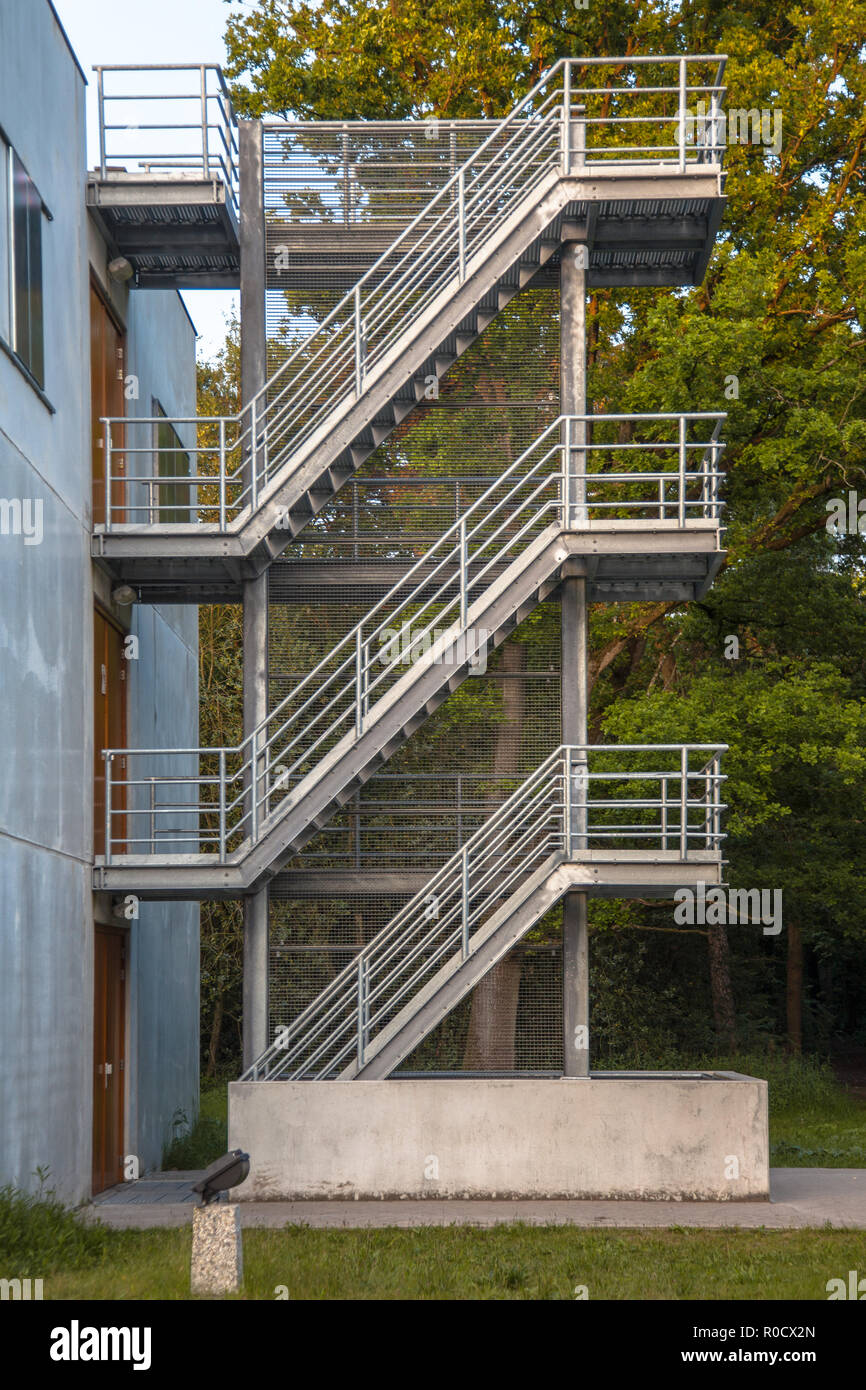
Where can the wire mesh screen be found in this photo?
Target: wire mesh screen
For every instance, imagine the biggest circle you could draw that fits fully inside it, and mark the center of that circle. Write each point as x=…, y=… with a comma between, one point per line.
x=511, y=1021
x=468, y=756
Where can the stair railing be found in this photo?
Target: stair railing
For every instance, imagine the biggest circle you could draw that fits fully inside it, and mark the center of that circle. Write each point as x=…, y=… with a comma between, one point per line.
x=434, y=254
x=580, y=797
x=239, y=792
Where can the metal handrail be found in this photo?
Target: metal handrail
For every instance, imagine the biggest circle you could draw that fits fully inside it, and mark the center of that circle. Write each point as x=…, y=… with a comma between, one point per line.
x=213, y=154
x=550, y=132
x=548, y=819
x=427, y=617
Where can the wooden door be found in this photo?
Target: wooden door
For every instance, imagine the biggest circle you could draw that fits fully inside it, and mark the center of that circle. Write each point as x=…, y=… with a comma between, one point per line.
x=109, y=728
x=106, y=398
x=109, y=1055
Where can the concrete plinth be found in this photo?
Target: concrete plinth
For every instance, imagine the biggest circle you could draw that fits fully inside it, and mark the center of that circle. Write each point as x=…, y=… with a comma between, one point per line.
x=633, y=1136
x=217, y=1264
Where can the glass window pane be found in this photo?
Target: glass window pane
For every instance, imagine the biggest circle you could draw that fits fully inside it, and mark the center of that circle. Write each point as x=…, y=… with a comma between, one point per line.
x=27, y=337
x=5, y=242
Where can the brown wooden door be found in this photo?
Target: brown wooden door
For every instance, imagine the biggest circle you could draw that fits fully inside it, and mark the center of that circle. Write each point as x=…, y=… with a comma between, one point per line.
x=109, y=1059
x=106, y=398
x=109, y=728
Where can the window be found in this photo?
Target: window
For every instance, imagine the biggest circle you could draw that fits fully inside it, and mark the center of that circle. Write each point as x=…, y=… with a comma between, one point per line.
x=26, y=211
x=172, y=463
x=21, y=212
x=5, y=241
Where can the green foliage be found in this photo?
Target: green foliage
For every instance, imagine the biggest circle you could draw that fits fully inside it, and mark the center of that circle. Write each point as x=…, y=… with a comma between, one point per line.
x=207, y=1140
x=39, y=1234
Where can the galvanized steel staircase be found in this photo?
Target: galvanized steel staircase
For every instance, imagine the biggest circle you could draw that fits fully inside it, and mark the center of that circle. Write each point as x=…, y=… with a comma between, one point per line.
x=507, y=875
x=255, y=805
x=264, y=474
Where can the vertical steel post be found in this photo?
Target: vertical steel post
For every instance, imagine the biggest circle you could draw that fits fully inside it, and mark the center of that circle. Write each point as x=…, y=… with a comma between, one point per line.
x=255, y=591
x=107, y=447
x=684, y=803
x=575, y=980
x=566, y=118
x=461, y=225
x=682, y=471
x=222, y=463
x=359, y=350
x=222, y=805
x=361, y=1032
x=106, y=757
x=464, y=896
x=682, y=121
x=204, y=141
x=464, y=583
x=100, y=101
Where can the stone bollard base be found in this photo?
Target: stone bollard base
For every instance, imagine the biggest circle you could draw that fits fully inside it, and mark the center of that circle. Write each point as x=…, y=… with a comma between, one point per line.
x=217, y=1264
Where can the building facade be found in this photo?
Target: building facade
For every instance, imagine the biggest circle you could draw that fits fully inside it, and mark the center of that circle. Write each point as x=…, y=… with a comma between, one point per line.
x=98, y=994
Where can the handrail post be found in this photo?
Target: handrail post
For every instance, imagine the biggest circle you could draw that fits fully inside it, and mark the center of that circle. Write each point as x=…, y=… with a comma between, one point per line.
x=254, y=475
x=108, y=479
x=107, y=760
x=153, y=815
x=664, y=812
x=204, y=144
x=222, y=805
x=566, y=476
x=682, y=123
x=464, y=891
x=359, y=683
x=566, y=118
x=684, y=803
x=359, y=348
x=464, y=585
x=100, y=101
x=254, y=787
x=222, y=465
x=461, y=224
x=362, y=1006
x=682, y=471
x=569, y=805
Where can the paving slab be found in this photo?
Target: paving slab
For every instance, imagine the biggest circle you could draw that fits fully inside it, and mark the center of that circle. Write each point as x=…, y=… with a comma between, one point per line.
x=799, y=1197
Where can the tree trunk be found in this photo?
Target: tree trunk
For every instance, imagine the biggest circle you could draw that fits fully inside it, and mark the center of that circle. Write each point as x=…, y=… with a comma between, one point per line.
x=794, y=989
x=215, y=1030
x=492, y=1021
x=720, y=985
x=490, y=1041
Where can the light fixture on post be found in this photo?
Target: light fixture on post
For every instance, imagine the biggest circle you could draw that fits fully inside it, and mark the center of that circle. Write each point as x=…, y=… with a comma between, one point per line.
x=120, y=268
x=124, y=594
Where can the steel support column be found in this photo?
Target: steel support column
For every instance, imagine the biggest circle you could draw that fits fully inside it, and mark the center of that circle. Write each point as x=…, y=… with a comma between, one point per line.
x=255, y=591
x=575, y=944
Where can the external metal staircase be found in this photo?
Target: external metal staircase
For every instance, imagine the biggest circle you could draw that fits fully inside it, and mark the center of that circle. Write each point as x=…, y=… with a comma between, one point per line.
x=658, y=828
x=246, y=809
x=566, y=157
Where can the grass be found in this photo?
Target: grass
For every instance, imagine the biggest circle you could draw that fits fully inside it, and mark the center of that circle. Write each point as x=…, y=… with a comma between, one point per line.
x=515, y=1262
x=207, y=1139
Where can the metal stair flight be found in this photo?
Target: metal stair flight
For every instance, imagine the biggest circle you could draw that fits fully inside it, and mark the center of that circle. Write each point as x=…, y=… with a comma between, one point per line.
x=246, y=810
x=536, y=181
x=513, y=870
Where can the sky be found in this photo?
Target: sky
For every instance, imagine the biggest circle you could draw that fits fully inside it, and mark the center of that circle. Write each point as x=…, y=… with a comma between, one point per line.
x=154, y=31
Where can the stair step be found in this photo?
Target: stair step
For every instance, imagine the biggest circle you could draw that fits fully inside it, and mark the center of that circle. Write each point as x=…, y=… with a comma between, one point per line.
x=380, y=433
x=360, y=453
x=442, y=361
x=401, y=409
x=527, y=272
x=464, y=341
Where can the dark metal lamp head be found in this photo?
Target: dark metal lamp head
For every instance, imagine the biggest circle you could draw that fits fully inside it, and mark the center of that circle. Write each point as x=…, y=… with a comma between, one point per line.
x=228, y=1171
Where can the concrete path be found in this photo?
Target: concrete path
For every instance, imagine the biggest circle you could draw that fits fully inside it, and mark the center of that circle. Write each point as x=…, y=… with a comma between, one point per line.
x=799, y=1197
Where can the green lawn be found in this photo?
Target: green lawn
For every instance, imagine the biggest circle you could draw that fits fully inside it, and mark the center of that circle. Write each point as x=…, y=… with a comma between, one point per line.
x=517, y=1262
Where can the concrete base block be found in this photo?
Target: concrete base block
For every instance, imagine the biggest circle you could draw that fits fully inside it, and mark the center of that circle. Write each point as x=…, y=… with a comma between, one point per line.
x=217, y=1265
x=634, y=1136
